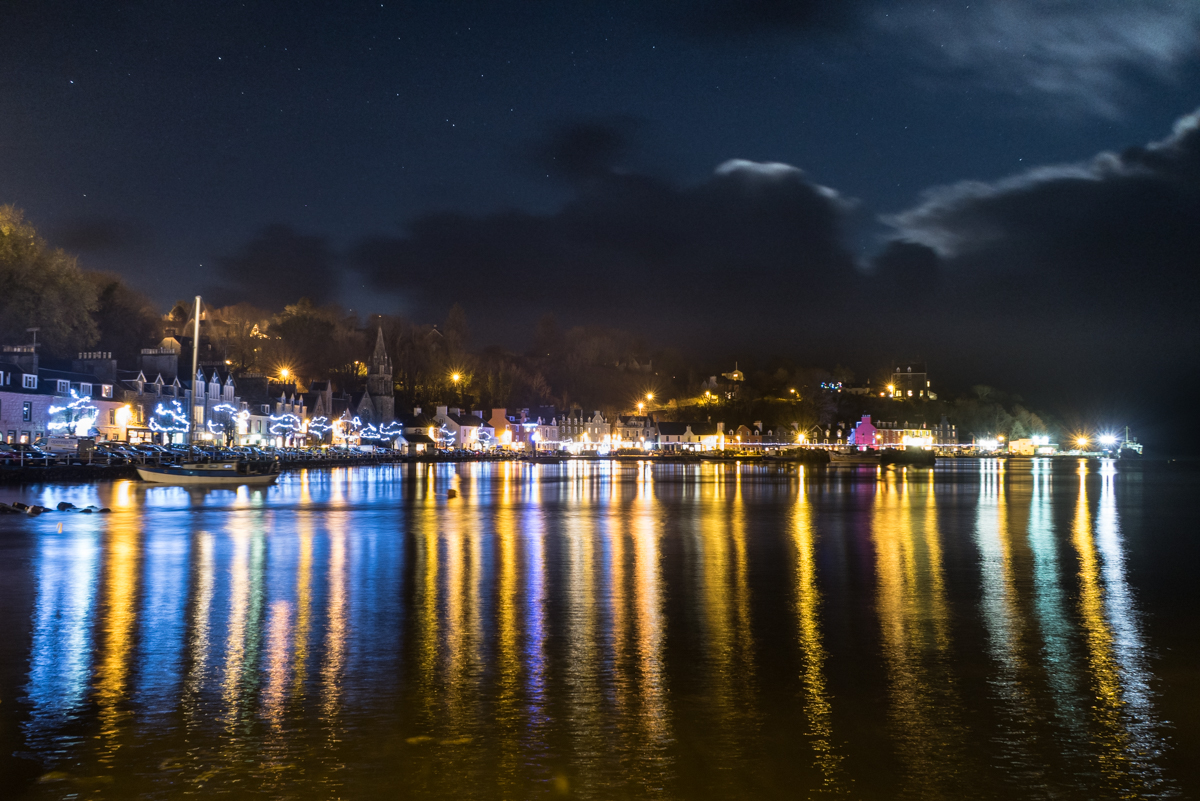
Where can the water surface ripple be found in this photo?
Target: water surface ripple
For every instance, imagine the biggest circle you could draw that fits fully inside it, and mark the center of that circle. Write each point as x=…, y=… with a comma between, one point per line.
x=979, y=630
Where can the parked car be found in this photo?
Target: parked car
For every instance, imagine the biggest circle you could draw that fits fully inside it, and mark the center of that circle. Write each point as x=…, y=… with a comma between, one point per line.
x=24, y=453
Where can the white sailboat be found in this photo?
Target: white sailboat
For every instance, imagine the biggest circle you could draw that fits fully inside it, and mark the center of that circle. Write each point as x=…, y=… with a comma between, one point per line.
x=209, y=472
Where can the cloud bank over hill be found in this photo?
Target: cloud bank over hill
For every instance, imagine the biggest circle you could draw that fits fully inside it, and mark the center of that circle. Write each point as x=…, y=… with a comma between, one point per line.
x=1119, y=231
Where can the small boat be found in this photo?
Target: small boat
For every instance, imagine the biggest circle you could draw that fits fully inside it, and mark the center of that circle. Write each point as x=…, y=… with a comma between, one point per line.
x=853, y=458
x=259, y=472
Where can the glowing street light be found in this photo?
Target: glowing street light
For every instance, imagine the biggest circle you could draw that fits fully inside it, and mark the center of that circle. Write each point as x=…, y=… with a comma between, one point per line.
x=1081, y=442
x=1108, y=439
x=640, y=405
x=649, y=396
x=284, y=372
x=455, y=378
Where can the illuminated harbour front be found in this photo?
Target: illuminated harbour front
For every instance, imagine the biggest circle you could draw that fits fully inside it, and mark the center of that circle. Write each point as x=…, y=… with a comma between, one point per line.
x=984, y=629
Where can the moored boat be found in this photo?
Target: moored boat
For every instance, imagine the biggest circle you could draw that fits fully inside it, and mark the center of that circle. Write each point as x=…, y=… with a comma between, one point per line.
x=853, y=458
x=243, y=471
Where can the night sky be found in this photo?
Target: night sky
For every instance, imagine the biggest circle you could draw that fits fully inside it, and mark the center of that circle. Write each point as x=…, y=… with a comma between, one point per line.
x=1008, y=190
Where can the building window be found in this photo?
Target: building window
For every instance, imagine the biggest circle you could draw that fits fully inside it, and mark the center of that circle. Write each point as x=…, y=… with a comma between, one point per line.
x=27, y=411
x=12, y=436
x=112, y=417
x=29, y=381
x=64, y=387
x=85, y=389
x=105, y=390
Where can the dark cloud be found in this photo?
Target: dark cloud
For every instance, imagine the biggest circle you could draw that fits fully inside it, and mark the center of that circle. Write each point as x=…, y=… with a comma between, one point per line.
x=581, y=150
x=90, y=235
x=1119, y=231
x=909, y=269
x=747, y=236
x=276, y=268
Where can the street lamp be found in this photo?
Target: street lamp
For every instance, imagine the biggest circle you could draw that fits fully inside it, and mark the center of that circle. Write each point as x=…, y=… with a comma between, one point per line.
x=1081, y=442
x=283, y=373
x=640, y=405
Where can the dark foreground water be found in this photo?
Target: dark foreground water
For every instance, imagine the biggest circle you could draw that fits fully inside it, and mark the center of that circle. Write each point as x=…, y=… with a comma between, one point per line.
x=980, y=630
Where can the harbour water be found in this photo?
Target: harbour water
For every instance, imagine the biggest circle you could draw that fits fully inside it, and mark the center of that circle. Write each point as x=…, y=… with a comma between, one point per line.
x=978, y=630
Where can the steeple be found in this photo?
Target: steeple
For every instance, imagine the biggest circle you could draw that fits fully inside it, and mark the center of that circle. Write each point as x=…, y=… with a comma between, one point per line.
x=380, y=389
x=380, y=363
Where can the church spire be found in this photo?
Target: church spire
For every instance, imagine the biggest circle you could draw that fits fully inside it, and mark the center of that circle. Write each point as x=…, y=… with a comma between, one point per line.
x=380, y=357
x=380, y=389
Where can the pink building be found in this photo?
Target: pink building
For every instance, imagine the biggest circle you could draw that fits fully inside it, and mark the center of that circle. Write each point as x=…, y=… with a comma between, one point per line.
x=865, y=434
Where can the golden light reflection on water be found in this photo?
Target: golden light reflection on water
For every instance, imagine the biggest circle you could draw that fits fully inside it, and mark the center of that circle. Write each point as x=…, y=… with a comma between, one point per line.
x=120, y=600
x=926, y=708
x=647, y=612
x=818, y=706
x=1123, y=719
x=509, y=657
x=583, y=661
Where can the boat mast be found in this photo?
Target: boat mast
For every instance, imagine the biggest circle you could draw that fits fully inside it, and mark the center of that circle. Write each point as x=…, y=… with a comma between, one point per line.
x=195, y=367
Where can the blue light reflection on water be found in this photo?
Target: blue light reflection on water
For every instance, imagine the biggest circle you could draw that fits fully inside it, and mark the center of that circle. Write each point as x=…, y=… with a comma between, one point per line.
x=61, y=654
x=595, y=628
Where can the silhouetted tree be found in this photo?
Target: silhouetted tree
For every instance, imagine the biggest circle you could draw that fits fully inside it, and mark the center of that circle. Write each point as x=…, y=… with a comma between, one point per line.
x=42, y=287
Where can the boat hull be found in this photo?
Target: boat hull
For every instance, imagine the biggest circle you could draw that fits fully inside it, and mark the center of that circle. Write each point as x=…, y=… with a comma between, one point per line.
x=853, y=458
x=206, y=478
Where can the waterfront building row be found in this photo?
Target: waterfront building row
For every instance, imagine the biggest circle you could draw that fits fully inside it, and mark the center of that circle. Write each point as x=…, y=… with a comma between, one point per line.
x=159, y=403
